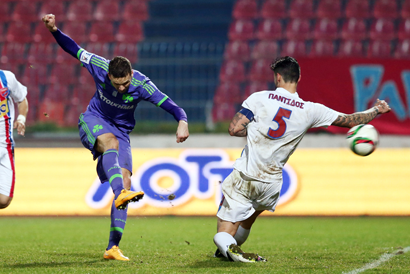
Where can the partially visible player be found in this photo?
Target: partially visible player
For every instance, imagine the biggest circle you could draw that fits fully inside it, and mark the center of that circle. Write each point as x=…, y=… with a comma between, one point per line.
x=11, y=91
x=109, y=119
x=274, y=122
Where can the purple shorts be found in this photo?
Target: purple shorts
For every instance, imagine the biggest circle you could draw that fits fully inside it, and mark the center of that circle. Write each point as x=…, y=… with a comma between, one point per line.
x=91, y=127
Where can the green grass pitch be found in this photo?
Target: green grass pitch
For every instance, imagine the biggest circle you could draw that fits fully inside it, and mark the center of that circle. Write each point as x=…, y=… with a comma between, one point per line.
x=184, y=245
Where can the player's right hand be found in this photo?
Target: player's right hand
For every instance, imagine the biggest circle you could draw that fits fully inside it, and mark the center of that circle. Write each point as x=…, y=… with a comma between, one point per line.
x=50, y=22
x=382, y=106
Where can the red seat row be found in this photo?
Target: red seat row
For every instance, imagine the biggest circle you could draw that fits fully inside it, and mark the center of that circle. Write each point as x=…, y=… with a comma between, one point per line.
x=103, y=32
x=106, y=10
x=248, y=9
x=301, y=29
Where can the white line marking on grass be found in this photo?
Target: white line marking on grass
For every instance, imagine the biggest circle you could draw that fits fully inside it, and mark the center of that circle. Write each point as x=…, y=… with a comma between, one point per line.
x=383, y=258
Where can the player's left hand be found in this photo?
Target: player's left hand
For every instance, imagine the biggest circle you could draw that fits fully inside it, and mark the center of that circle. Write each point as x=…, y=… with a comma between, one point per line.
x=182, y=131
x=21, y=127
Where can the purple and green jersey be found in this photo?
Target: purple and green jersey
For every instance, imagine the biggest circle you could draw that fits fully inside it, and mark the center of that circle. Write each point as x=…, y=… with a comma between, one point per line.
x=107, y=103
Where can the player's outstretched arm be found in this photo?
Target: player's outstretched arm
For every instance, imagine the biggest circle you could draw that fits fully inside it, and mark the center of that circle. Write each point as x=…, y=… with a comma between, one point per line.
x=363, y=117
x=238, y=125
x=64, y=41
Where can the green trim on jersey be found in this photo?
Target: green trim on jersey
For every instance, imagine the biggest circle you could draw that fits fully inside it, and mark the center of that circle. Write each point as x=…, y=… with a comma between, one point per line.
x=83, y=124
x=79, y=53
x=99, y=63
x=108, y=151
x=150, y=89
x=163, y=100
x=115, y=176
x=117, y=229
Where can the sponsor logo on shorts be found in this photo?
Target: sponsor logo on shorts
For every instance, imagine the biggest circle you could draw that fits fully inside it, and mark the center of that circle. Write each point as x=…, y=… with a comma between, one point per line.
x=86, y=57
x=195, y=174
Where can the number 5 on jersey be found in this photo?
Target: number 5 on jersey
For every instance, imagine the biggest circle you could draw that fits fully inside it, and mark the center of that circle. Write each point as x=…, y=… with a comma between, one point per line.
x=282, y=114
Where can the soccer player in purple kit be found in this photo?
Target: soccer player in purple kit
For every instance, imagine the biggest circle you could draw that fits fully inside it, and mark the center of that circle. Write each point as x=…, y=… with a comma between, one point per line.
x=106, y=124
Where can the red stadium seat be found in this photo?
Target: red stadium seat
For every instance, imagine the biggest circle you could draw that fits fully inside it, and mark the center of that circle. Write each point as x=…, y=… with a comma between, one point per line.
x=294, y=48
x=101, y=49
x=63, y=75
x=322, y=48
x=223, y=112
x=232, y=70
x=351, y=48
x=130, y=51
x=254, y=86
x=326, y=29
x=51, y=108
x=265, y=49
x=301, y=9
x=19, y=32
x=5, y=15
x=383, y=29
x=135, y=11
x=41, y=53
x=33, y=97
x=2, y=33
x=35, y=74
x=241, y=30
x=129, y=32
x=329, y=9
x=357, y=9
x=245, y=9
x=76, y=30
x=106, y=10
x=13, y=53
x=385, y=9
x=379, y=49
x=63, y=57
x=403, y=49
x=238, y=50
x=42, y=34
x=80, y=11
x=298, y=29
x=405, y=9
x=273, y=9
x=228, y=92
x=25, y=11
x=269, y=29
x=404, y=29
x=354, y=29
x=54, y=7
x=102, y=32
x=260, y=70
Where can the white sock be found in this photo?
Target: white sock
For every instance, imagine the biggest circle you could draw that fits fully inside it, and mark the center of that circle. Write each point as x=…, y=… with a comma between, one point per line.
x=223, y=240
x=241, y=235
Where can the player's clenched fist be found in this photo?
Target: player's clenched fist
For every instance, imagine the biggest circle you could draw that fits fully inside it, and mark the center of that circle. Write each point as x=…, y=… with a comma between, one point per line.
x=382, y=106
x=50, y=22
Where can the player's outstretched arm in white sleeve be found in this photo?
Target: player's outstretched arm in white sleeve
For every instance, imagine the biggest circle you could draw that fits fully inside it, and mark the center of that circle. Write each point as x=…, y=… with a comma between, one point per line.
x=238, y=125
x=363, y=117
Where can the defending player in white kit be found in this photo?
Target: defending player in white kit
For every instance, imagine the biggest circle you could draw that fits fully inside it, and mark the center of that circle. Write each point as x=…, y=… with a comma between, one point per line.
x=11, y=91
x=274, y=123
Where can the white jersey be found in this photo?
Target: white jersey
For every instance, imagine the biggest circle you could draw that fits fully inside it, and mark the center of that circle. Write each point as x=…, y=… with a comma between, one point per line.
x=281, y=119
x=10, y=91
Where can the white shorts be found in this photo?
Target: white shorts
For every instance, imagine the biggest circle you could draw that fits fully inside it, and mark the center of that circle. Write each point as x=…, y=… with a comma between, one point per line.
x=7, y=175
x=242, y=197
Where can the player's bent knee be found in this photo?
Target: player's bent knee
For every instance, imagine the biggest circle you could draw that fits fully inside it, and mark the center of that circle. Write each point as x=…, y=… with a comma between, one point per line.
x=5, y=201
x=107, y=141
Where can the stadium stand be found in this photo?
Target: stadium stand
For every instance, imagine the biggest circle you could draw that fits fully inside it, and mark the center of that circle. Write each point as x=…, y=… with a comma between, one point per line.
x=302, y=9
x=19, y=32
x=241, y=29
x=269, y=29
x=298, y=29
x=386, y=9
x=273, y=9
x=322, y=48
x=245, y=9
x=135, y=11
x=351, y=48
x=326, y=29
x=329, y=9
x=357, y=9
x=54, y=7
x=5, y=15
x=106, y=10
x=25, y=11
x=354, y=29
x=265, y=49
x=80, y=11
x=237, y=50
x=129, y=32
x=102, y=32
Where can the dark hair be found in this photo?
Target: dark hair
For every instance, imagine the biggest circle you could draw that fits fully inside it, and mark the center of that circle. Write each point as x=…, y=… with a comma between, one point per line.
x=288, y=68
x=119, y=67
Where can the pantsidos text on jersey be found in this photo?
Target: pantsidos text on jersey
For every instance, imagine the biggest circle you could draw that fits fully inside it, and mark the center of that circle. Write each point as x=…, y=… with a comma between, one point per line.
x=285, y=100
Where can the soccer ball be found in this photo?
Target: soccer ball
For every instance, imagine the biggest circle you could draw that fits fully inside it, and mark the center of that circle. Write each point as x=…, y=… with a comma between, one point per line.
x=362, y=139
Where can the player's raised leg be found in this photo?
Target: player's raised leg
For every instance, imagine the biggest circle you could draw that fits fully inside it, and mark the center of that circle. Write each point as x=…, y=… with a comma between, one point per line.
x=108, y=145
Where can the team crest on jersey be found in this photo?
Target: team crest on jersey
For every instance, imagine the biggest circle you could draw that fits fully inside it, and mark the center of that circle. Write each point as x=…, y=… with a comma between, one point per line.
x=4, y=92
x=4, y=108
x=86, y=57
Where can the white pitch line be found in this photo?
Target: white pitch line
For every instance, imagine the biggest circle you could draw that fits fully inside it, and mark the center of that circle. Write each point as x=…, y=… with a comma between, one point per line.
x=383, y=258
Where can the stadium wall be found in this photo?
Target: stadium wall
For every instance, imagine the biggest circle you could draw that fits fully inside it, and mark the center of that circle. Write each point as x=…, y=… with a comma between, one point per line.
x=317, y=181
